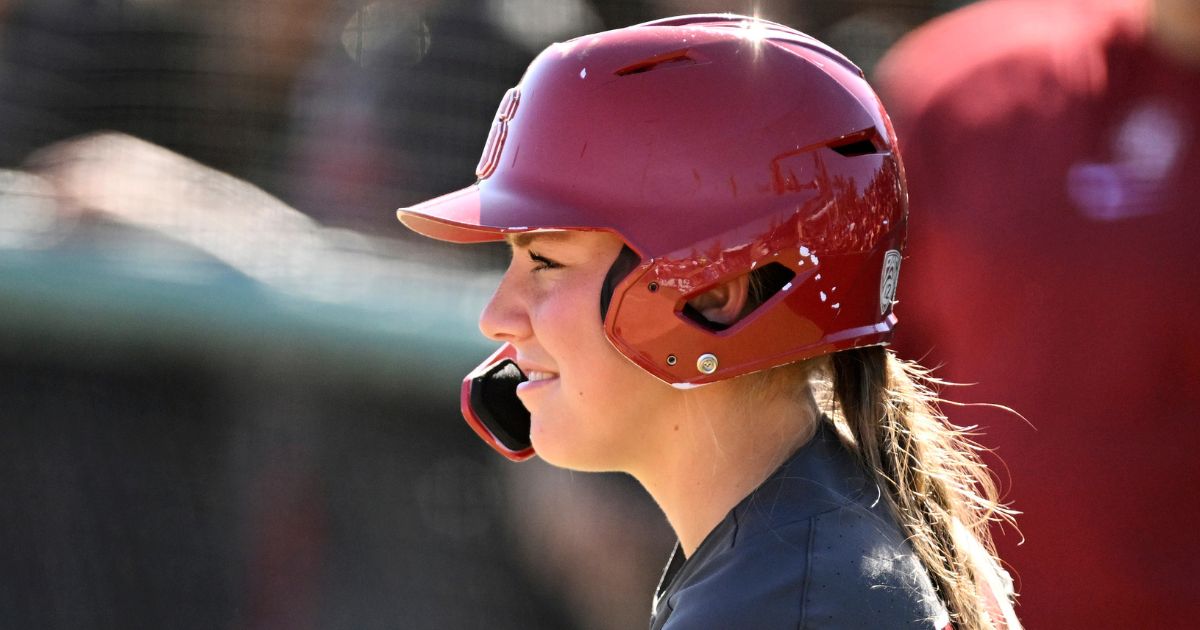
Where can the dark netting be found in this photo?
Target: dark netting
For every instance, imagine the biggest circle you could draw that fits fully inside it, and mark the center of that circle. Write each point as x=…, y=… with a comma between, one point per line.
x=229, y=377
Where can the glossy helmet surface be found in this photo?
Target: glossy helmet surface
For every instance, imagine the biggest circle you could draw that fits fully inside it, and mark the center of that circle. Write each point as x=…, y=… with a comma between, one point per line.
x=712, y=145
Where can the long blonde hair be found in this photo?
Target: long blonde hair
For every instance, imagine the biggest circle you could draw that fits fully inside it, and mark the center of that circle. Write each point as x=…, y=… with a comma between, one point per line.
x=941, y=493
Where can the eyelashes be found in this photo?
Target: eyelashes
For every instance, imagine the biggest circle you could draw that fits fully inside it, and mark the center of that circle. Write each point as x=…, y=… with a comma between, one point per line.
x=541, y=263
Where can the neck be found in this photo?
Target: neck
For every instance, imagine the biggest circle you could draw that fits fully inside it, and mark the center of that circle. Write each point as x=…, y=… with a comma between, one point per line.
x=716, y=450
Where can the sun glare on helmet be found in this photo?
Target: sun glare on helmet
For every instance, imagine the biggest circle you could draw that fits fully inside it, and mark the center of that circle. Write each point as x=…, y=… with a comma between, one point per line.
x=756, y=32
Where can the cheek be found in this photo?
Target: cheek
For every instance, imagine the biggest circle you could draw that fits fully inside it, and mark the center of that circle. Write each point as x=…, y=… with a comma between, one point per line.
x=594, y=372
x=591, y=387
x=598, y=415
x=610, y=378
x=598, y=420
x=614, y=398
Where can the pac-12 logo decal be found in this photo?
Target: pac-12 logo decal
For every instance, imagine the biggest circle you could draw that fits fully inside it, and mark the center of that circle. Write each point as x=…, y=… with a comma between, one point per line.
x=887, y=283
x=498, y=134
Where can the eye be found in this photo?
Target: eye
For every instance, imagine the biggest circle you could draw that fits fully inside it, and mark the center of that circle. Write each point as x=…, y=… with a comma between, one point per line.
x=541, y=263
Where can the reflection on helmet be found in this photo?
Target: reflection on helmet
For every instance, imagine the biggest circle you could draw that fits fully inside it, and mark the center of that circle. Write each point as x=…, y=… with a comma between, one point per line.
x=714, y=146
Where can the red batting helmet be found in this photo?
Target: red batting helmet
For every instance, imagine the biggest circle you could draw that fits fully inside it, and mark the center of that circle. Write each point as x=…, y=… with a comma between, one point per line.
x=712, y=145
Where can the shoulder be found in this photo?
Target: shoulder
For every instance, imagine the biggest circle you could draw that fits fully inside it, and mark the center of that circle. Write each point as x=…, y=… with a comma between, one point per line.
x=987, y=59
x=862, y=573
x=846, y=567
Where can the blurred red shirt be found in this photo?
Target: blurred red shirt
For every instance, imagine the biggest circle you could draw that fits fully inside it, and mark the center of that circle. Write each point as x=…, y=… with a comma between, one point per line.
x=1054, y=168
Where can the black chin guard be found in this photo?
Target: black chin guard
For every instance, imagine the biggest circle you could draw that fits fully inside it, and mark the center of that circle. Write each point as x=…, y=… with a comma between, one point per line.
x=492, y=409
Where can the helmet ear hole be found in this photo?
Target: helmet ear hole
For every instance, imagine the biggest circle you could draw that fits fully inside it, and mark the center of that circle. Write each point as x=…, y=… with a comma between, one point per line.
x=763, y=283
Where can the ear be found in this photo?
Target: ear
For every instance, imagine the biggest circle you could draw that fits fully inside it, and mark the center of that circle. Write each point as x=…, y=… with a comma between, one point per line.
x=724, y=303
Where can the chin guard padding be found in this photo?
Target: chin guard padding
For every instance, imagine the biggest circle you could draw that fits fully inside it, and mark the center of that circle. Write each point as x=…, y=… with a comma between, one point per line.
x=492, y=409
x=626, y=262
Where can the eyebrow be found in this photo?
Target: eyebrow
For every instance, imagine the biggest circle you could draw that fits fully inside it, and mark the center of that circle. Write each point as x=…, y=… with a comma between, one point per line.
x=523, y=239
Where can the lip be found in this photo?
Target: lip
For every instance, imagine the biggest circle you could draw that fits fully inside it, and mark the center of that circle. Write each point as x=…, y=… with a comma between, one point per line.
x=527, y=387
x=546, y=378
x=527, y=368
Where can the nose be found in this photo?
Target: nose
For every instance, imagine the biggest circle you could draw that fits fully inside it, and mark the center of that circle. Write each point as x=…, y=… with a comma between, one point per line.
x=505, y=317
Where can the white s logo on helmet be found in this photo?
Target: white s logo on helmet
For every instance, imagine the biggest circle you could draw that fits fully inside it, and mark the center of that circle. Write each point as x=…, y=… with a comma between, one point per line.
x=498, y=134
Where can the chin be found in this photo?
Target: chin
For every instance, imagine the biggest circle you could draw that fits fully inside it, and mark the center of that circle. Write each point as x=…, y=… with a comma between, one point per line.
x=563, y=449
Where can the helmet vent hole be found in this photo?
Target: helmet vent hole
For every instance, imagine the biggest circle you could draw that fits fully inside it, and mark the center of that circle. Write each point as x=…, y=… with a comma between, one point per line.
x=863, y=143
x=671, y=59
x=765, y=282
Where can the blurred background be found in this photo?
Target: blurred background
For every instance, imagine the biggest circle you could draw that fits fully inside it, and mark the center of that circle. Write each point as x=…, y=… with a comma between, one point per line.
x=230, y=393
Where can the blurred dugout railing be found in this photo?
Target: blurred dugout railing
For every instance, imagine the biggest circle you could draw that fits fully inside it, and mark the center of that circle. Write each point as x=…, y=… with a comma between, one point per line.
x=203, y=427
x=230, y=379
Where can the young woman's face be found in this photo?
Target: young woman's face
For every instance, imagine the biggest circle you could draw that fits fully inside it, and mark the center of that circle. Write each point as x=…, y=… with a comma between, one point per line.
x=591, y=408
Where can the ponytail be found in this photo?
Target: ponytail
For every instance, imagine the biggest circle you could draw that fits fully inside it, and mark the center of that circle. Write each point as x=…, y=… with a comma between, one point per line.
x=937, y=487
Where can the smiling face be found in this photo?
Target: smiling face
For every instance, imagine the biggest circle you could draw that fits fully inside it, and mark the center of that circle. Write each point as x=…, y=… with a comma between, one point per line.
x=590, y=407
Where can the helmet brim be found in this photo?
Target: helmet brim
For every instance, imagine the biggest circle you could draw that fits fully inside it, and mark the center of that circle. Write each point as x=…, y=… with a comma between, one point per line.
x=464, y=216
x=453, y=217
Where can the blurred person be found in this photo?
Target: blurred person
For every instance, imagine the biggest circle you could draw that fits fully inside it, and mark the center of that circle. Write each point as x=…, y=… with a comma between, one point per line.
x=250, y=58
x=394, y=106
x=702, y=301
x=1052, y=151
x=211, y=80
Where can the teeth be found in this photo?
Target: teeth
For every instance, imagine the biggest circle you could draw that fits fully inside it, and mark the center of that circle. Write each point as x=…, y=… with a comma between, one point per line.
x=540, y=376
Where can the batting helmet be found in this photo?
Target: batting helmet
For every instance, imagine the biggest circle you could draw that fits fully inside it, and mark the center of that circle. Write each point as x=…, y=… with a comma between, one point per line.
x=713, y=146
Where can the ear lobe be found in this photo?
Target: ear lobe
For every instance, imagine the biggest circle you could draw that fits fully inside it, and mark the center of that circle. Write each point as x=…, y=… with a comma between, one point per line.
x=723, y=304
